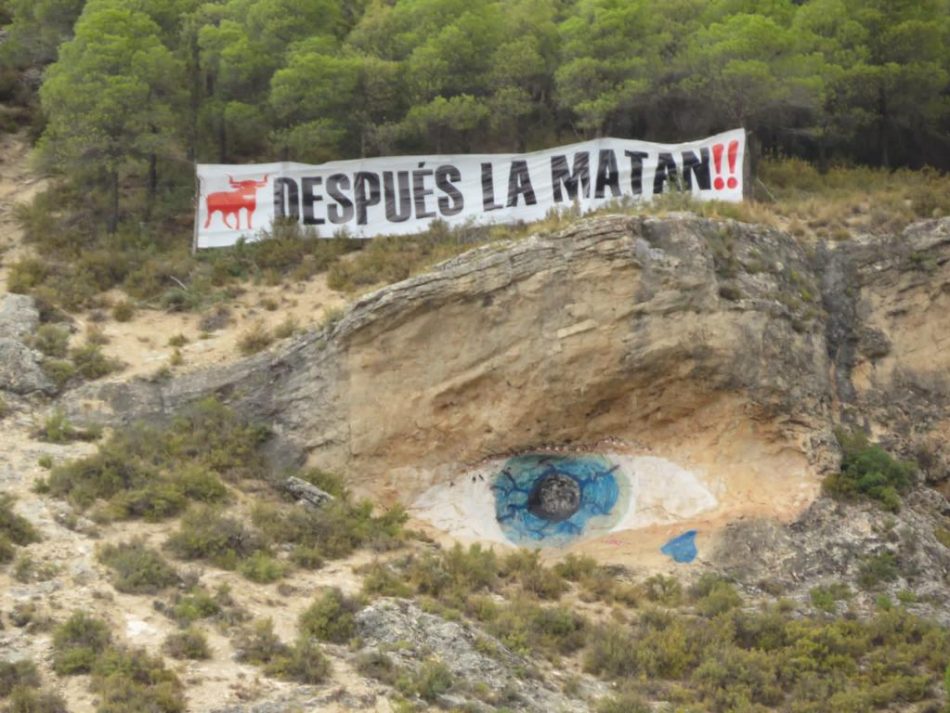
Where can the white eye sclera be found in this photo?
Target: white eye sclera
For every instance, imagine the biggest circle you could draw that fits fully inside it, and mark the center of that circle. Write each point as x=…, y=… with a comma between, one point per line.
x=553, y=500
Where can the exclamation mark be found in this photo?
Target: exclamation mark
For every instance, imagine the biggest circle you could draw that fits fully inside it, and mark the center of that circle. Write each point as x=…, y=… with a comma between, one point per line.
x=733, y=153
x=718, y=184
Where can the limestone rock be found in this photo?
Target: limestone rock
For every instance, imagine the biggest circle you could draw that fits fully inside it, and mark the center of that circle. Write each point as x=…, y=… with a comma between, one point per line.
x=306, y=493
x=410, y=636
x=20, y=370
x=728, y=347
x=19, y=316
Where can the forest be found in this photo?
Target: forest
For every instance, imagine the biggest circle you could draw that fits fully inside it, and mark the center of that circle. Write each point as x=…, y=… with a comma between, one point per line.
x=133, y=92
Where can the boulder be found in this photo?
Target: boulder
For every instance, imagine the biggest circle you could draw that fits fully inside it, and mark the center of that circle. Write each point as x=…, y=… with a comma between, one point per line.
x=20, y=370
x=19, y=316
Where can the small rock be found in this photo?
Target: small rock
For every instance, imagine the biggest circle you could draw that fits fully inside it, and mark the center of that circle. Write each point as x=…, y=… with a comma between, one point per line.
x=307, y=493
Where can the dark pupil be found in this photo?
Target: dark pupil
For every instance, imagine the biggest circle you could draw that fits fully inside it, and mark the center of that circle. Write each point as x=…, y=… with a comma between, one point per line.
x=555, y=497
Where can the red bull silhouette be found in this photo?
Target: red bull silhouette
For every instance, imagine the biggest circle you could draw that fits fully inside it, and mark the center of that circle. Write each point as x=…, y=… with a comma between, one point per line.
x=229, y=203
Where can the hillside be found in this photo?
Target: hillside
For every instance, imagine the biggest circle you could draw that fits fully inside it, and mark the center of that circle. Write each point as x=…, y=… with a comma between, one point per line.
x=718, y=365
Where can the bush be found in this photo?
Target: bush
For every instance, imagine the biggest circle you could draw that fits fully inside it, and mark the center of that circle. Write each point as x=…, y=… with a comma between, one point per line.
x=91, y=363
x=534, y=577
x=58, y=429
x=375, y=664
x=877, y=569
x=189, y=644
x=77, y=643
x=25, y=699
x=431, y=680
x=330, y=618
x=195, y=605
x=14, y=529
x=306, y=557
x=60, y=371
x=623, y=703
x=131, y=680
x=255, y=339
x=138, y=569
x=526, y=627
x=204, y=533
x=825, y=597
x=53, y=341
x=663, y=590
x=17, y=673
x=151, y=472
x=304, y=663
x=336, y=529
x=258, y=644
x=260, y=567
x=123, y=311
x=714, y=595
x=576, y=568
x=868, y=470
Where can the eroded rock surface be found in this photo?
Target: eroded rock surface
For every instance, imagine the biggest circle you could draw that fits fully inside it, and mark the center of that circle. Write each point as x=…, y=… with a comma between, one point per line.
x=728, y=349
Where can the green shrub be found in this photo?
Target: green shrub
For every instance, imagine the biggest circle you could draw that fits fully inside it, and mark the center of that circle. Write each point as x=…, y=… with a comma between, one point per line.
x=877, y=569
x=123, y=311
x=306, y=557
x=623, y=703
x=17, y=673
x=379, y=579
x=255, y=339
x=152, y=472
x=15, y=529
x=576, y=567
x=455, y=573
x=376, y=664
x=138, y=569
x=304, y=662
x=733, y=674
x=330, y=618
x=663, y=590
x=825, y=597
x=286, y=329
x=258, y=644
x=198, y=604
x=327, y=482
x=188, y=644
x=262, y=568
x=53, y=341
x=204, y=533
x=527, y=627
x=58, y=429
x=60, y=371
x=131, y=680
x=868, y=470
x=77, y=643
x=26, y=699
x=431, y=680
x=336, y=529
x=534, y=577
x=7, y=551
x=714, y=595
x=91, y=363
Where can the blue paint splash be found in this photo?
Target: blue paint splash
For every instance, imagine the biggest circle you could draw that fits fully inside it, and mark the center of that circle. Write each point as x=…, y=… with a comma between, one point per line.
x=682, y=548
x=513, y=485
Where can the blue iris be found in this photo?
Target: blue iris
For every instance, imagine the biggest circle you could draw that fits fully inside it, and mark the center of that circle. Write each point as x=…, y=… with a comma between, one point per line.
x=552, y=500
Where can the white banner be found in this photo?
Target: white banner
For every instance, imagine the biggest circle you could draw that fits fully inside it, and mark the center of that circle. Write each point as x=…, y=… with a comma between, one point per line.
x=400, y=195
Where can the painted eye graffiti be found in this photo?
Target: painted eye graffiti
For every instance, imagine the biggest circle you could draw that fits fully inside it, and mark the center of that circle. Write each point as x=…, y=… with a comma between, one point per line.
x=555, y=500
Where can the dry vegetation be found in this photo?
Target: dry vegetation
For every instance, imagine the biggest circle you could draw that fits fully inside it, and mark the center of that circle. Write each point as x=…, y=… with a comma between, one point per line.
x=699, y=647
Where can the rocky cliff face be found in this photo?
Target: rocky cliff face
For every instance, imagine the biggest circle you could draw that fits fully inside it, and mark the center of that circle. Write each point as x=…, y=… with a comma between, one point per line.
x=728, y=349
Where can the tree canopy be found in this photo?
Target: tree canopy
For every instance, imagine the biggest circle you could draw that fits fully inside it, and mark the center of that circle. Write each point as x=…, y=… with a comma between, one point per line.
x=133, y=87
